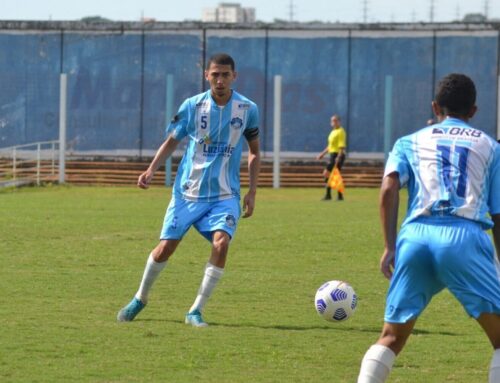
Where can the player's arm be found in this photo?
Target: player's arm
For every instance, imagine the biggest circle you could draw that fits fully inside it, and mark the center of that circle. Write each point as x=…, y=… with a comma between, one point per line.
x=253, y=175
x=388, y=205
x=164, y=152
x=322, y=154
x=496, y=233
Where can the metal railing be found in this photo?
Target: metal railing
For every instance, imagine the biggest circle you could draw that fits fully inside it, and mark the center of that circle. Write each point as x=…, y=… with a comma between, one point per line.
x=29, y=163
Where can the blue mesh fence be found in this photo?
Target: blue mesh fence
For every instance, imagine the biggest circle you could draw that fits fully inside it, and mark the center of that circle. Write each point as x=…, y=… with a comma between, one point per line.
x=117, y=82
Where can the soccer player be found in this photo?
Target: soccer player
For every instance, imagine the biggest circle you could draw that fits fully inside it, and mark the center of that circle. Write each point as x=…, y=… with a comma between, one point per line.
x=452, y=172
x=336, y=149
x=206, y=193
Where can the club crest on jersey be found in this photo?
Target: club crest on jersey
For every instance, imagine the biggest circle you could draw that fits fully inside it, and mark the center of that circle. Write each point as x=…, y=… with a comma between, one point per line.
x=237, y=123
x=230, y=220
x=201, y=104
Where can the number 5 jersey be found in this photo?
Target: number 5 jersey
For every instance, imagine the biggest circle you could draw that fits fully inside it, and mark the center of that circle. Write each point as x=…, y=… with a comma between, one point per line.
x=210, y=168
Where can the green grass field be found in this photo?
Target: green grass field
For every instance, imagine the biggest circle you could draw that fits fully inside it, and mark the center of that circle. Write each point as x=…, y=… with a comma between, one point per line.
x=71, y=257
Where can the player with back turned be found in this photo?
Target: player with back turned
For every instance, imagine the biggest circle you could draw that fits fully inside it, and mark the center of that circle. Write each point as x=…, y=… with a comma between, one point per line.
x=452, y=172
x=206, y=193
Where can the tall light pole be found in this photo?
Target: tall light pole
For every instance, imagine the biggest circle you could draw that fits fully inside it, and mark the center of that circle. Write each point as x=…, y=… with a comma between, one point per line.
x=365, y=11
x=431, y=11
x=291, y=12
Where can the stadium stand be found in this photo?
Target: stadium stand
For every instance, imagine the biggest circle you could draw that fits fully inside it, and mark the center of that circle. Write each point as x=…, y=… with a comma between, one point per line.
x=294, y=174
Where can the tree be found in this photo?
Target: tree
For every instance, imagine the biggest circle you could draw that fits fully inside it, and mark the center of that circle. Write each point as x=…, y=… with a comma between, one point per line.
x=95, y=19
x=475, y=18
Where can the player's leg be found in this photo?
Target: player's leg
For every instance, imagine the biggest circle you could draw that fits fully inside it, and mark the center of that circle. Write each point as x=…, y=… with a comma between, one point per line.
x=156, y=262
x=340, y=164
x=411, y=288
x=326, y=174
x=214, y=270
x=491, y=326
x=395, y=335
x=178, y=219
x=472, y=275
x=378, y=360
x=219, y=226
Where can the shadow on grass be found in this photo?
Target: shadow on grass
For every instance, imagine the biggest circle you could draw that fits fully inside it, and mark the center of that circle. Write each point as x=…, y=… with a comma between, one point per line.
x=424, y=332
x=333, y=327
x=339, y=326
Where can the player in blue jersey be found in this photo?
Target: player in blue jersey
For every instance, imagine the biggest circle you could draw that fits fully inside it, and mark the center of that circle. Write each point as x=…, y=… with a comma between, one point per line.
x=206, y=193
x=452, y=172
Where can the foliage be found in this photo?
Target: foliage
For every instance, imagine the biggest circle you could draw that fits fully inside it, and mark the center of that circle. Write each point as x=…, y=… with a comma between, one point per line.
x=95, y=19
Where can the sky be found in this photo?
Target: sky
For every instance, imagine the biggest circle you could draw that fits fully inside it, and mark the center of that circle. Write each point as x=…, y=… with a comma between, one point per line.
x=349, y=11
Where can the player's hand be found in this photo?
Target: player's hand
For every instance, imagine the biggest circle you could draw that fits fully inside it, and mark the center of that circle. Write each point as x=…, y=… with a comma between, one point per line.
x=387, y=263
x=319, y=156
x=145, y=179
x=248, y=204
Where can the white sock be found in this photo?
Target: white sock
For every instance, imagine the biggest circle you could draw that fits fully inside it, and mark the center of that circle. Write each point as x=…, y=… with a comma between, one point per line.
x=495, y=367
x=376, y=365
x=151, y=272
x=210, y=279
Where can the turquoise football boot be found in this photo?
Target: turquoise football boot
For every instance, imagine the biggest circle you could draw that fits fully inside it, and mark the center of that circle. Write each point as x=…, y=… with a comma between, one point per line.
x=130, y=311
x=194, y=319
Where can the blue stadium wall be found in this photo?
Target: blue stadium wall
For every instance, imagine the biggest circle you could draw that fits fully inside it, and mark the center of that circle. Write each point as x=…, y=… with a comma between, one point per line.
x=117, y=92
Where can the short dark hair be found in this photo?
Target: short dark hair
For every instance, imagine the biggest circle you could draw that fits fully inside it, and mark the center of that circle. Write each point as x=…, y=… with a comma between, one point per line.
x=221, y=59
x=456, y=94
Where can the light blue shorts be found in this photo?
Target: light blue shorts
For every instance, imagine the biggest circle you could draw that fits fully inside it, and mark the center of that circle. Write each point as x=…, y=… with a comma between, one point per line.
x=206, y=217
x=437, y=252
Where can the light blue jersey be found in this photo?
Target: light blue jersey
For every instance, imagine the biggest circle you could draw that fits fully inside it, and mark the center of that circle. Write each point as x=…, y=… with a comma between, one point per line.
x=453, y=176
x=210, y=168
x=450, y=169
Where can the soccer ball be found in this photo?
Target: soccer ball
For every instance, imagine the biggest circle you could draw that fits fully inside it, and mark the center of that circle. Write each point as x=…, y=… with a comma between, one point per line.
x=335, y=301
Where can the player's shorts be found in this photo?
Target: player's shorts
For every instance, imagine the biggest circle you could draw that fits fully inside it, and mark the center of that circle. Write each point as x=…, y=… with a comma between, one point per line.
x=206, y=217
x=437, y=252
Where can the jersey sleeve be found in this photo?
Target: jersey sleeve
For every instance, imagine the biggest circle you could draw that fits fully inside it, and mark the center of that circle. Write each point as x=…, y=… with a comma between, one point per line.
x=342, y=139
x=179, y=123
x=253, y=118
x=398, y=162
x=251, y=131
x=494, y=193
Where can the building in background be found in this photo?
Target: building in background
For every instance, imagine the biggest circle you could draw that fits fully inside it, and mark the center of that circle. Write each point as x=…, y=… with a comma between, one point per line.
x=228, y=13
